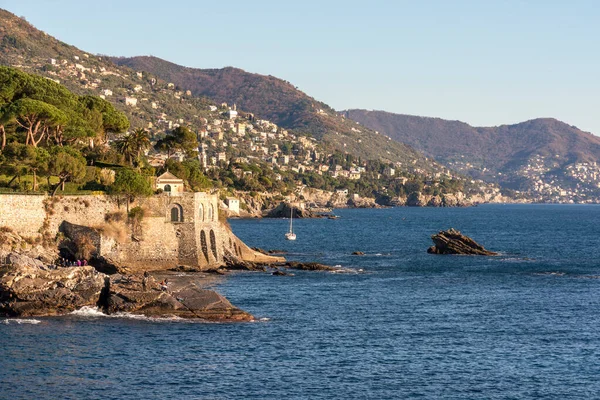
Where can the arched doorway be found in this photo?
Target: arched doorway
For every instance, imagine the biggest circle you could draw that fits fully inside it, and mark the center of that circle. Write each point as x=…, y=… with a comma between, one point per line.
x=176, y=213
x=204, y=245
x=213, y=244
x=167, y=188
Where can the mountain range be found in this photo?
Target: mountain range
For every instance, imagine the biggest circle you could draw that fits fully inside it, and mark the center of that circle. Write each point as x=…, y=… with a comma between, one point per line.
x=503, y=149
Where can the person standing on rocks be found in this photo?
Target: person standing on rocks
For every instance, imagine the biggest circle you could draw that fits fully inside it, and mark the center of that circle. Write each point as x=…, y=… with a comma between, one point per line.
x=145, y=280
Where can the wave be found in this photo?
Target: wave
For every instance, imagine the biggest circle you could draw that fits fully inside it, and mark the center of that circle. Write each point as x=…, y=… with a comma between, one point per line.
x=21, y=321
x=95, y=312
x=342, y=270
x=262, y=319
x=550, y=273
x=87, y=311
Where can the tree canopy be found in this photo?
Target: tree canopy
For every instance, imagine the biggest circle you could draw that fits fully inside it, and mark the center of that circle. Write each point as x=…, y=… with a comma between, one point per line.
x=46, y=110
x=130, y=184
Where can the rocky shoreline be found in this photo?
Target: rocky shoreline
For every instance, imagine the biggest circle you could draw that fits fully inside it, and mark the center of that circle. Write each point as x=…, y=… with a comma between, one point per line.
x=32, y=285
x=30, y=290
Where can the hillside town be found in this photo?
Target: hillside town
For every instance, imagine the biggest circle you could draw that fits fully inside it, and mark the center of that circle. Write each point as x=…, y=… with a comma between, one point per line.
x=231, y=139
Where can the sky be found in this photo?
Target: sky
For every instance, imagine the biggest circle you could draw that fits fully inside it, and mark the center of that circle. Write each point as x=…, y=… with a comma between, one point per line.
x=483, y=62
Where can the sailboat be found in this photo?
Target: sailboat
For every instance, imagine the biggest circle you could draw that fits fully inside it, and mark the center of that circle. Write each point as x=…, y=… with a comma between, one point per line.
x=291, y=235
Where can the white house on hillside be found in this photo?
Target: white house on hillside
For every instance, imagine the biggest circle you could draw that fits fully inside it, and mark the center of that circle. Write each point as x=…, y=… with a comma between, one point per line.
x=169, y=183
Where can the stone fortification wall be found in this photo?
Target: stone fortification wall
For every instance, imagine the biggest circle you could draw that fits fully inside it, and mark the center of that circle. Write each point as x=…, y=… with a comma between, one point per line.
x=24, y=214
x=30, y=215
x=175, y=230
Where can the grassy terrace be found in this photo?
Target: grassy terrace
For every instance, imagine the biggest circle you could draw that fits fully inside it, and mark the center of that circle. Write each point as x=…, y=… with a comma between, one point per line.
x=25, y=184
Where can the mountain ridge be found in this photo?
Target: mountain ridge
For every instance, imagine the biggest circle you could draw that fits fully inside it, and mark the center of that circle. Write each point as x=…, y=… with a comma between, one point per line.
x=28, y=48
x=496, y=153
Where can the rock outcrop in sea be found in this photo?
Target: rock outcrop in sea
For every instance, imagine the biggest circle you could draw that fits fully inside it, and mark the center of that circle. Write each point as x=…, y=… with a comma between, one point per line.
x=452, y=241
x=283, y=210
x=29, y=289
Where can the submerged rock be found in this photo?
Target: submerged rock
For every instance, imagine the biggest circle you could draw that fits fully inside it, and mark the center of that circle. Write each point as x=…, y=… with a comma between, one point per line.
x=278, y=272
x=310, y=266
x=452, y=241
x=358, y=253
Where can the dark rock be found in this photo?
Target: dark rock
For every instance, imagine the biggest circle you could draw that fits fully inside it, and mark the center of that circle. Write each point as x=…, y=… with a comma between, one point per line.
x=278, y=272
x=31, y=291
x=185, y=268
x=283, y=210
x=275, y=251
x=311, y=266
x=27, y=290
x=261, y=251
x=358, y=253
x=453, y=242
x=181, y=298
x=268, y=252
x=234, y=263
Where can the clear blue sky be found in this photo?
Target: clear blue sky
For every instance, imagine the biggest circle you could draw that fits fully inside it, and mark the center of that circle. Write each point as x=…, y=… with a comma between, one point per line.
x=482, y=62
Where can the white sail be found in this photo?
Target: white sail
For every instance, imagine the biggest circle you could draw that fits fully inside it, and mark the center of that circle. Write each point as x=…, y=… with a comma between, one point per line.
x=291, y=235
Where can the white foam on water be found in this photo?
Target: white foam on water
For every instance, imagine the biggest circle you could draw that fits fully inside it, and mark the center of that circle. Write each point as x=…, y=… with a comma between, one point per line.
x=95, y=312
x=140, y=317
x=87, y=311
x=262, y=319
x=342, y=270
x=22, y=321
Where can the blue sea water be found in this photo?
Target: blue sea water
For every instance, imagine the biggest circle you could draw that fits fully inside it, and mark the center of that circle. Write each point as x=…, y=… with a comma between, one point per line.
x=400, y=323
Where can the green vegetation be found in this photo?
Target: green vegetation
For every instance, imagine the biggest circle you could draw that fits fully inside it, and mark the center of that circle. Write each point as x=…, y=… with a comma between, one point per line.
x=47, y=130
x=129, y=185
x=180, y=139
x=68, y=138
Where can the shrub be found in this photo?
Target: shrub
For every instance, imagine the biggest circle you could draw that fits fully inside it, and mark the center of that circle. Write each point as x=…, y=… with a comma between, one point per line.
x=116, y=216
x=136, y=214
x=84, y=247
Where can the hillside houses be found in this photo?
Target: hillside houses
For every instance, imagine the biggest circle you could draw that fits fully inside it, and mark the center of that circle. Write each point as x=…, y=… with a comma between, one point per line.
x=227, y=137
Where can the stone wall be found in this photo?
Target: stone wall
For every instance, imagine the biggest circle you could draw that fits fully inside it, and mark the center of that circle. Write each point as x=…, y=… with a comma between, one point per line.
x=175, y=230
x=23, y=214
x=30, y=215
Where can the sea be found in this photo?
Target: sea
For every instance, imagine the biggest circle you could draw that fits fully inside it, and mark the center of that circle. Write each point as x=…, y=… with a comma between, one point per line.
x=396, y=323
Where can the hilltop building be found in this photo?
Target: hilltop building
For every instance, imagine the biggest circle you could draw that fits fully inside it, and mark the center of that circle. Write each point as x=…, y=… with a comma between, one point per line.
x=169, y=183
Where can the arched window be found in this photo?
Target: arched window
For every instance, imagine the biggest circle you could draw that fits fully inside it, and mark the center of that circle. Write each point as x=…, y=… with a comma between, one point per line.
x=213, y=244
x=210, y=212
x=204, y=244
x=201, y=213
x=167, y=188
x=176, y=213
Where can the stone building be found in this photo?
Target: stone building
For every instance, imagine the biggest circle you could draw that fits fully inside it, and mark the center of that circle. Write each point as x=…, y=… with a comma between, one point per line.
x=174, y=230
x=170, y=184
x=233, y=204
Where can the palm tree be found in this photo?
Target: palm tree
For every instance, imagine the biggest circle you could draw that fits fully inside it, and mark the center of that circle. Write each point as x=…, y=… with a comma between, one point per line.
x=126, y=146
x=141, y=142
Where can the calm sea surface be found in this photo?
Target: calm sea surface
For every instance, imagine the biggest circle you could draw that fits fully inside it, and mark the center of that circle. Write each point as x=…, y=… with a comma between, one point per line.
x=400, y=324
